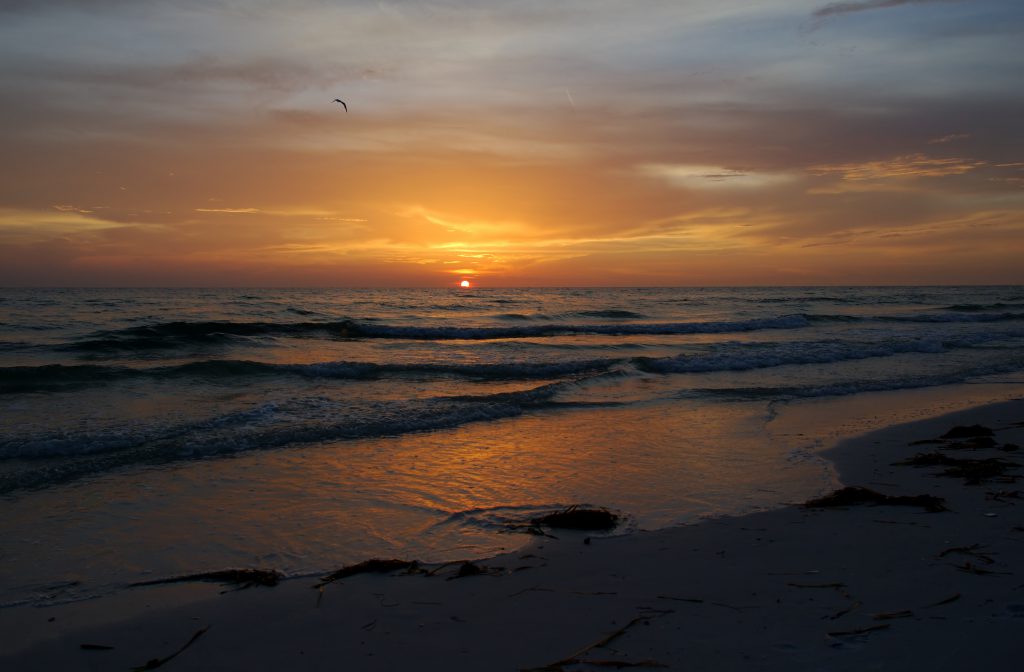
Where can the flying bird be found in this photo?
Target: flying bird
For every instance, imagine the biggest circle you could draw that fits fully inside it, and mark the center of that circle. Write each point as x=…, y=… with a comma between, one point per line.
x=339, y=100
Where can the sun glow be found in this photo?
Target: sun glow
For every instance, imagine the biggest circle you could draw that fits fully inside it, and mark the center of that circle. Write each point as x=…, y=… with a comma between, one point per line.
x=464, y=284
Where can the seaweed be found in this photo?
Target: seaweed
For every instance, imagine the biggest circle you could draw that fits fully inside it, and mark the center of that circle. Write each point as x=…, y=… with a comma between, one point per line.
x=973, y=471
x=948, y=600
x=974, y=569
x=927, y=460
x=889, y=615
x=154, y=663
x=469, y=569
x=577, y=659
x=577, y=518
x=852, y=495
x=371, y=566
x=973, y=443
x=966, y=432
x=1003, y=495
x=858, y=631
x=243, y=578
x=974, y=550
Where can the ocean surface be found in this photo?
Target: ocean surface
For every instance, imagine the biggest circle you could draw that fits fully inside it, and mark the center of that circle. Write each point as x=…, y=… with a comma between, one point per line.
x=149, y=432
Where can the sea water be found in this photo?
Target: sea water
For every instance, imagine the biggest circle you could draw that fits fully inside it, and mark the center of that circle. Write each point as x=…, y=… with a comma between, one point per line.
x=152, y=432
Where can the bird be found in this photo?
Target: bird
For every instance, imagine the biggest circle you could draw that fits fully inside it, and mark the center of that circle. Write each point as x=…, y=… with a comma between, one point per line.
x=339, y=100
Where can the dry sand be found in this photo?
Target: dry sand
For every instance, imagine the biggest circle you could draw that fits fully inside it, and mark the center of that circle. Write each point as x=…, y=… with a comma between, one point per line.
x=864, y=587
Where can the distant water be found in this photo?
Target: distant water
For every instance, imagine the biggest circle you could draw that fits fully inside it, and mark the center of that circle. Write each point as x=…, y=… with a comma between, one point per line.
x=423, y=420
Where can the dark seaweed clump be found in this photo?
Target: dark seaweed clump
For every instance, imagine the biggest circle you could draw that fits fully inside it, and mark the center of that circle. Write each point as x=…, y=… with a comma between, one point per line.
x=577, y=518
x=372, y=566
x=244, y=578
x=972, y=471
x=967, y=432
x=852, y=495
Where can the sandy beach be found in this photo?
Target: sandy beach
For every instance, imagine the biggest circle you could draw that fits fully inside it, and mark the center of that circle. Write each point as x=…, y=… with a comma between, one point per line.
x=863, y=586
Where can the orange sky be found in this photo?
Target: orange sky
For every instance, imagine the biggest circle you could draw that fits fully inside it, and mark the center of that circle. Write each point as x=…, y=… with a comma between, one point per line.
x=512, y=143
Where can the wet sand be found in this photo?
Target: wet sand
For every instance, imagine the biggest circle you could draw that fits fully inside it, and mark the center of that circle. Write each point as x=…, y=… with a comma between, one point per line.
x=854, y=587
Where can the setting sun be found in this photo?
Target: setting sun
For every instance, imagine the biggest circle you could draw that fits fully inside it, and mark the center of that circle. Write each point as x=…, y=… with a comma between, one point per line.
x=464, y=283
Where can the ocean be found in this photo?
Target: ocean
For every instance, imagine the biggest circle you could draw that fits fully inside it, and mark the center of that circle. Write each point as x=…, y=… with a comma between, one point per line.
x=152, y=432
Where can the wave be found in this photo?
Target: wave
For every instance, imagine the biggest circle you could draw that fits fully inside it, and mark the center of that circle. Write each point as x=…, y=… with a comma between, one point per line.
x=955, y=317
x=57, y=377
x=746, y=356
x=613, y=314
x=266, y=426
x=921, y=318
x=979, y=307
x=822, y=352
x=849, y=387
x=170, y=335
x=726, y=356
x=546, y=330
x=50, y=377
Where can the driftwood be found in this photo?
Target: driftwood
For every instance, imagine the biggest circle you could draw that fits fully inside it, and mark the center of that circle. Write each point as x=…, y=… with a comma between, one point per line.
x=852, y=495
x=243, y=578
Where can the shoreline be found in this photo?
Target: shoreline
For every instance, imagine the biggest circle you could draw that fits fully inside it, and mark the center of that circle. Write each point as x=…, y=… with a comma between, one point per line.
x=862, y=587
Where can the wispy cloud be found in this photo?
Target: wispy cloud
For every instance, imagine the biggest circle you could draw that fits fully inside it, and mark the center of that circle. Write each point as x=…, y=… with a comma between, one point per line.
x=945, y=139
x=713, y=177
x=233, y=211
x=912, y=165
x=837, y=8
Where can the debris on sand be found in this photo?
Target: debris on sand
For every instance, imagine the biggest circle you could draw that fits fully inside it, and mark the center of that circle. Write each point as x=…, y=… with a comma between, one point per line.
x=576, y=518
x=578, y=657
x=154, y=663
x=927, y=460
x=973, y=471
x=372, y=566
x=973, y=443
x=243, y=578
x=469, y=569
x=852, y=495
x=966, y=432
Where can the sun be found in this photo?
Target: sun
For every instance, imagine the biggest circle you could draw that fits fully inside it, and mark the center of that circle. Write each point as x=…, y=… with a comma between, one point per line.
x=464, y=283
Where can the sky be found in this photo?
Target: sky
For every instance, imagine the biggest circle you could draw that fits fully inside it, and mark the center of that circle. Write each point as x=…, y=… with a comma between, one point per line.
x=511, y=142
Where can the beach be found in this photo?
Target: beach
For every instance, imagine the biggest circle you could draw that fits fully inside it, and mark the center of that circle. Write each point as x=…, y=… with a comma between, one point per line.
x=860, y=586
x=511, y=336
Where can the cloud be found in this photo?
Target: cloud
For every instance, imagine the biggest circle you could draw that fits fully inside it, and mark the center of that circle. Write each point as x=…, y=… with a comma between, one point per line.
x=951, y=137
x=838, y=8
x=912, y=165
x=713, y=177
x=234, y=211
